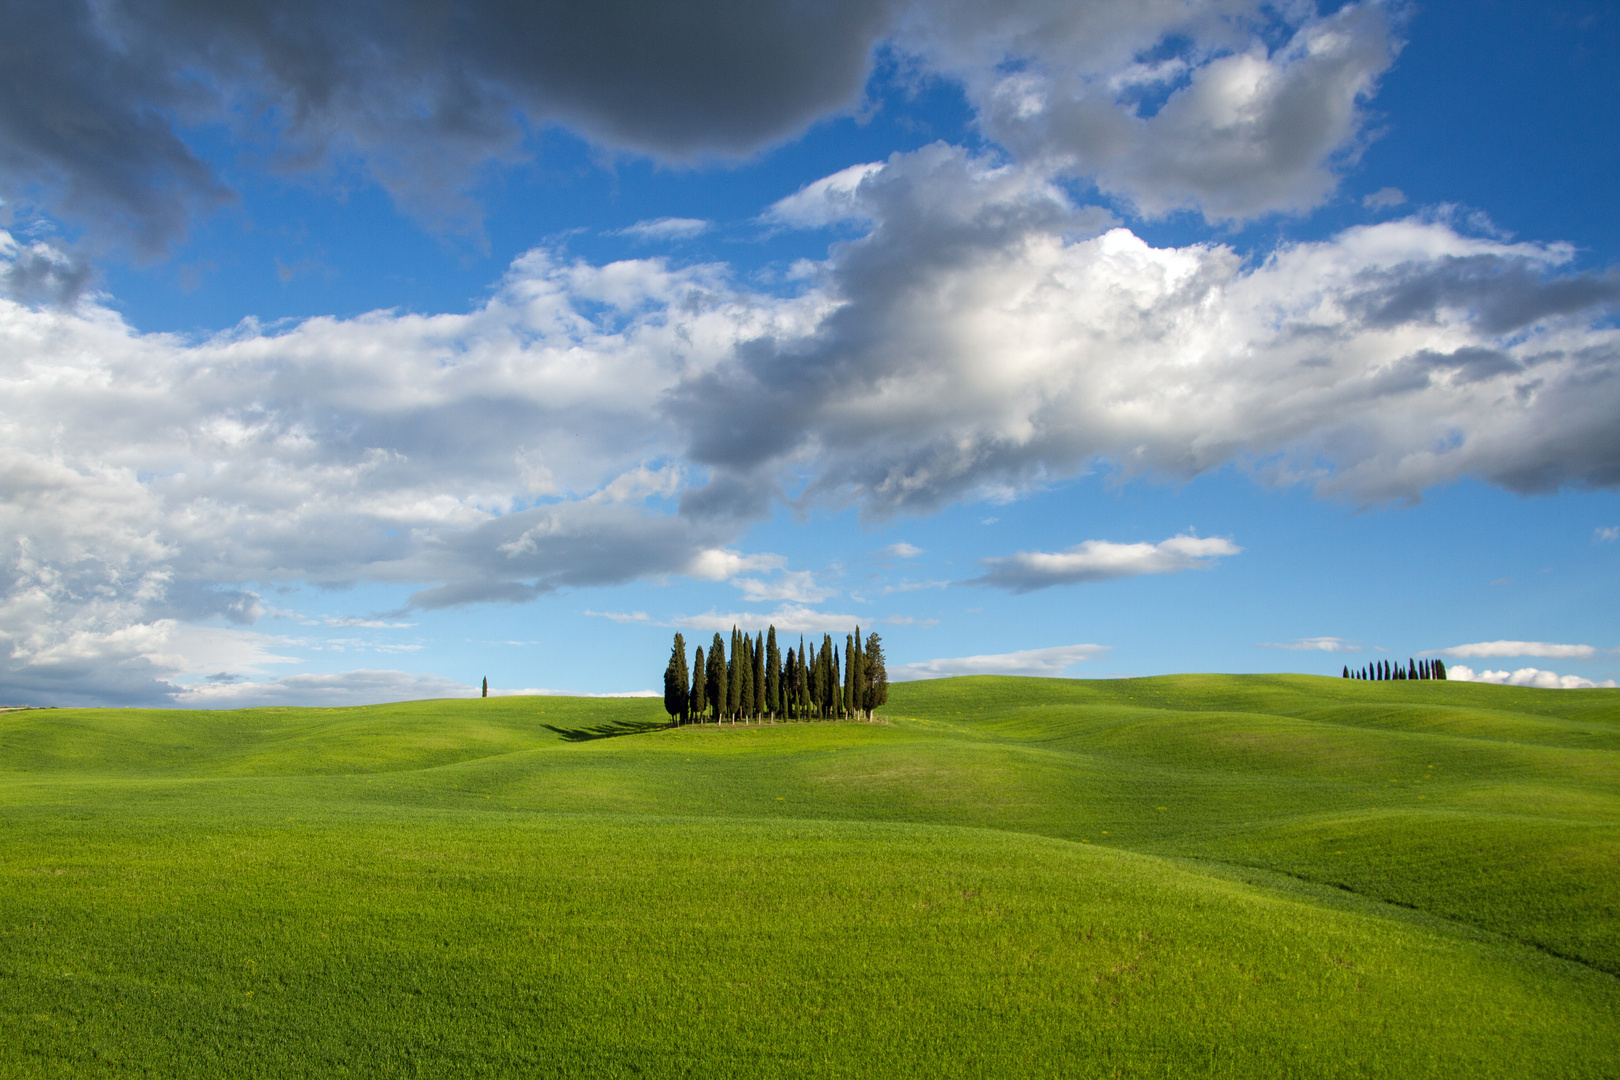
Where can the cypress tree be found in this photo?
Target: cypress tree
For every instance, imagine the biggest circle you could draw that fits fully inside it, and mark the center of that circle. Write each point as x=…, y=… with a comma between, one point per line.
x=1411, y=668
x=745, y=678
x=773, y=676
x=486, y=687
x=801, y=683
x=1346, y=671
x=877, y=676
x=849, y=676
x=1440, y=669
x=698, y=701
x=717, y=677
x=734, y=674
x=859, y=696
x=762, y=700
x=675, y=680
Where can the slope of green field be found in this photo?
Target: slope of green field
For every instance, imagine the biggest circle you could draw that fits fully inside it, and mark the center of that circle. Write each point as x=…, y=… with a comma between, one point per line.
x=1180, y=876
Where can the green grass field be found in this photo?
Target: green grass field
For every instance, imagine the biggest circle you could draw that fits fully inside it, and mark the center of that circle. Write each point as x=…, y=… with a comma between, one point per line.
x=1247, y=876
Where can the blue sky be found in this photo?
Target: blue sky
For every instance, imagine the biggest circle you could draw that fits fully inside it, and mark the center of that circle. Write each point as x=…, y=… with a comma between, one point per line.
x=351, y=358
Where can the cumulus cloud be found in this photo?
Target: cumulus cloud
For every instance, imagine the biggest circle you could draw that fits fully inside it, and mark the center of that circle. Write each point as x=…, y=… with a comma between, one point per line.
x=1101, y=560
x=981, y=338
x=1045, y=663
x=1165, y=104
x=1529, y=676
x=1545, y=649
x=902, y=550
x=1314, y=644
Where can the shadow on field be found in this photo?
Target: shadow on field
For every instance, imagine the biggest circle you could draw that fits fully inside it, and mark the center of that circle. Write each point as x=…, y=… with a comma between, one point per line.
x=609, y=730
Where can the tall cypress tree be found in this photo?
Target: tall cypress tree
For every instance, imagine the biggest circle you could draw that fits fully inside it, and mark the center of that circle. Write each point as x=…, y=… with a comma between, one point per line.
x=1440, y=669
x=718, y=690
x=773, y=675
x=877, y=675
x=1346, y=671
x=675, y=676
x=734, y=675
x=761, y=688
x=745, y=678
x=698, y=700
x=850, y=703
x=807, y=679
x=858, y=668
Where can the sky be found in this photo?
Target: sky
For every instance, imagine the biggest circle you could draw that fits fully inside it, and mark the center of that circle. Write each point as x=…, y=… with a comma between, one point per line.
x=360, y=351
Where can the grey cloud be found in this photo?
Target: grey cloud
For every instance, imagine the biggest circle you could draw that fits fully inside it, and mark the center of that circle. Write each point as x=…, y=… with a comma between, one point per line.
x=41, y=274
x=1502, y=292
x=94, y=97
x=1171, y=105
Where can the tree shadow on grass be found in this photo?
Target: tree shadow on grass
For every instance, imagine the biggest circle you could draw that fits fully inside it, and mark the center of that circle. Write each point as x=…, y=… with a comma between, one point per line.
x=608, y=730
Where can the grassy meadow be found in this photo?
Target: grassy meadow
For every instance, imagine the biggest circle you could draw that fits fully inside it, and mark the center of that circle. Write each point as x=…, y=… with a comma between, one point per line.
x=1201, y=876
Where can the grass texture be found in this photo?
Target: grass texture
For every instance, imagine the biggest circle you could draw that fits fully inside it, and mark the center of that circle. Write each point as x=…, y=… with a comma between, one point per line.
x=1210, y=876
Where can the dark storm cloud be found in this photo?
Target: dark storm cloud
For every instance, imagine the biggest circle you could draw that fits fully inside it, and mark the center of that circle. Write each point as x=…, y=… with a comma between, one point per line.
x=92, y=95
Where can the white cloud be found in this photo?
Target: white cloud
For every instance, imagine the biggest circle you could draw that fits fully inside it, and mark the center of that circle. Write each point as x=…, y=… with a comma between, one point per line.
x=789, y=618
x=1245, y=128
x=1049, y=663
x=1545, y=649
x=902, y=550
x=1101, y=560
x=622, y=616
x=1606, y=534
x=344, y=688
x=794, y=586
x=717, y=564
x=666, y=228
x=1384, y=198
x=1529, y=676
x=824, y=202
x=1314, y=644
x=914, y=586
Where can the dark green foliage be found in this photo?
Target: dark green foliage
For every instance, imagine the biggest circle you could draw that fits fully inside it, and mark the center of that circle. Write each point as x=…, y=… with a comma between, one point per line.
x=761, y=688
x=486, y=687
x=698, y=699
x=877, y=674
x=734, y=670
x=773, y=677
x=857, y=667
x=1439, y=668
x=676, y=680
x=719, y=684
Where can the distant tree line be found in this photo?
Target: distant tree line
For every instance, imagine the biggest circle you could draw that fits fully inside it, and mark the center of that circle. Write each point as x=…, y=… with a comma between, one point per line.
x=1384, y=671
x=752, y=680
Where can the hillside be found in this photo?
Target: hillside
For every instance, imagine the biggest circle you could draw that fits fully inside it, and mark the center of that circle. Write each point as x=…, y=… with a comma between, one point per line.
x=1187, y=875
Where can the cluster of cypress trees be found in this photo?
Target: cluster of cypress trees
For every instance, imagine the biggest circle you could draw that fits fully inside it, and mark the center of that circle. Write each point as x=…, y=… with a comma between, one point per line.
x=752, y=680
x=1384, y=671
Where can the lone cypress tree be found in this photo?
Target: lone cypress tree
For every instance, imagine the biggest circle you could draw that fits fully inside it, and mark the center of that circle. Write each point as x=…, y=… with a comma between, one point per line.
x=1346, y=674
x=486, y=687
x=698, y=701
x=877, y=676
x=675, y=681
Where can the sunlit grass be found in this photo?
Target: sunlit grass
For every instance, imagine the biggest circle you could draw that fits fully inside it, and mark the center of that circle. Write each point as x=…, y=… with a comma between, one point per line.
x=1196, y=875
